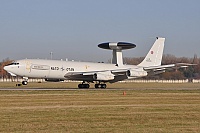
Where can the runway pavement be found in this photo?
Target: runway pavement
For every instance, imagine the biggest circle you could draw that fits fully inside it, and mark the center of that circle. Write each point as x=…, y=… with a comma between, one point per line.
x=58, y=89
x=39, y=89
x=65, y=89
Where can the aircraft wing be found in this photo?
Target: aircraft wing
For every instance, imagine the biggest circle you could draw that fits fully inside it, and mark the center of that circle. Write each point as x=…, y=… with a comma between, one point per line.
x=121, y=74
x=79, y=76
x=106, y=76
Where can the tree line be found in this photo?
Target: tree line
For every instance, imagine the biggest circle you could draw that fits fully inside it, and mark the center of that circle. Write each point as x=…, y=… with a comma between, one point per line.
x=3, y=73
x=192, y=72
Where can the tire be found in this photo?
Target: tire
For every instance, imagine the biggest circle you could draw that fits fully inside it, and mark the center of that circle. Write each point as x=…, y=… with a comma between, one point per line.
x=24, y=82
x=80, y=86
x=87, y=86
x=97, y=86
x=103, y=86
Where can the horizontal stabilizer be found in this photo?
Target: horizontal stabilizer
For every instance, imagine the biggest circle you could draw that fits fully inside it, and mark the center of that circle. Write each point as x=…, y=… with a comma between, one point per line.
x=170, y=66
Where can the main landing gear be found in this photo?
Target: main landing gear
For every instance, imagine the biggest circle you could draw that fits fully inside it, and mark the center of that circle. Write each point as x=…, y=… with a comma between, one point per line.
x=100, y=85
x=103, y=86
x=83, y=86
x=97, y=85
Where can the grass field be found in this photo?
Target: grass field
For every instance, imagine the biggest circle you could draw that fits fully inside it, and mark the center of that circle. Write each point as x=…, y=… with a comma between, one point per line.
x=145, y=108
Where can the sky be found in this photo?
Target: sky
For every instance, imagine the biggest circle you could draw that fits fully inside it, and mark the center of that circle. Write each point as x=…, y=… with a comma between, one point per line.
x=72, y=29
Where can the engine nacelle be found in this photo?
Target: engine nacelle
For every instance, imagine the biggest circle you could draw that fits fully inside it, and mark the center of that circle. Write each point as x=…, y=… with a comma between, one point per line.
x=134, y=73
x=103, y=76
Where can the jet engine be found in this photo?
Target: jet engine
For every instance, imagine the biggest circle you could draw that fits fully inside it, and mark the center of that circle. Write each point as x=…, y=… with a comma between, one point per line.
x=103, y=76
x=134, y=73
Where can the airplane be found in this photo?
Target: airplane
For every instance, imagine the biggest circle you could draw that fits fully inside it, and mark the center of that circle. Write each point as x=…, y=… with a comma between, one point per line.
x=88, y=72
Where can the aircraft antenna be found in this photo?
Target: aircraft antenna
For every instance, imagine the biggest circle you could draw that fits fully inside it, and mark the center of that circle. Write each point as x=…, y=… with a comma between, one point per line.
x=51, y=54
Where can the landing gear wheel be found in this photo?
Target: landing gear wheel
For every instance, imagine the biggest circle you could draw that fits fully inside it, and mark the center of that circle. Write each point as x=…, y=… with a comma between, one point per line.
x=24, y=82
x=97, y=86
x=103, y=86
x=83, y=86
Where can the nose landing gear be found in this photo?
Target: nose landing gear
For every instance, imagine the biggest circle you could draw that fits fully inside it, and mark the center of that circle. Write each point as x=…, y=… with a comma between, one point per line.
x=24, y=82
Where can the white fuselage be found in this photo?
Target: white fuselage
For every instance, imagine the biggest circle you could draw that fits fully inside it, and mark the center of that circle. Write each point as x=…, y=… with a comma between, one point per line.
x=57, y=69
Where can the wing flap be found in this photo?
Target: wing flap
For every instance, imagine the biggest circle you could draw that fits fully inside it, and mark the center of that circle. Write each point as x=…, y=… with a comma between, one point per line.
x=79, y=76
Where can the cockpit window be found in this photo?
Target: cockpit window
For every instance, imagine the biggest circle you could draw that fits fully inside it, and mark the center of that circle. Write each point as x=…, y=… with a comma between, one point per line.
x=14, y=63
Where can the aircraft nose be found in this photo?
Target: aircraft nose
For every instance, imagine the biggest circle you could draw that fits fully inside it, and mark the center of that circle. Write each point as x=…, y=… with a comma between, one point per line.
x=6, y=68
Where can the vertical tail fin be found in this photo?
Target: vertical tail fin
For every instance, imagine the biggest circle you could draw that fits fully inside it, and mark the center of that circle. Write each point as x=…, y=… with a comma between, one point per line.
x=154, y=56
